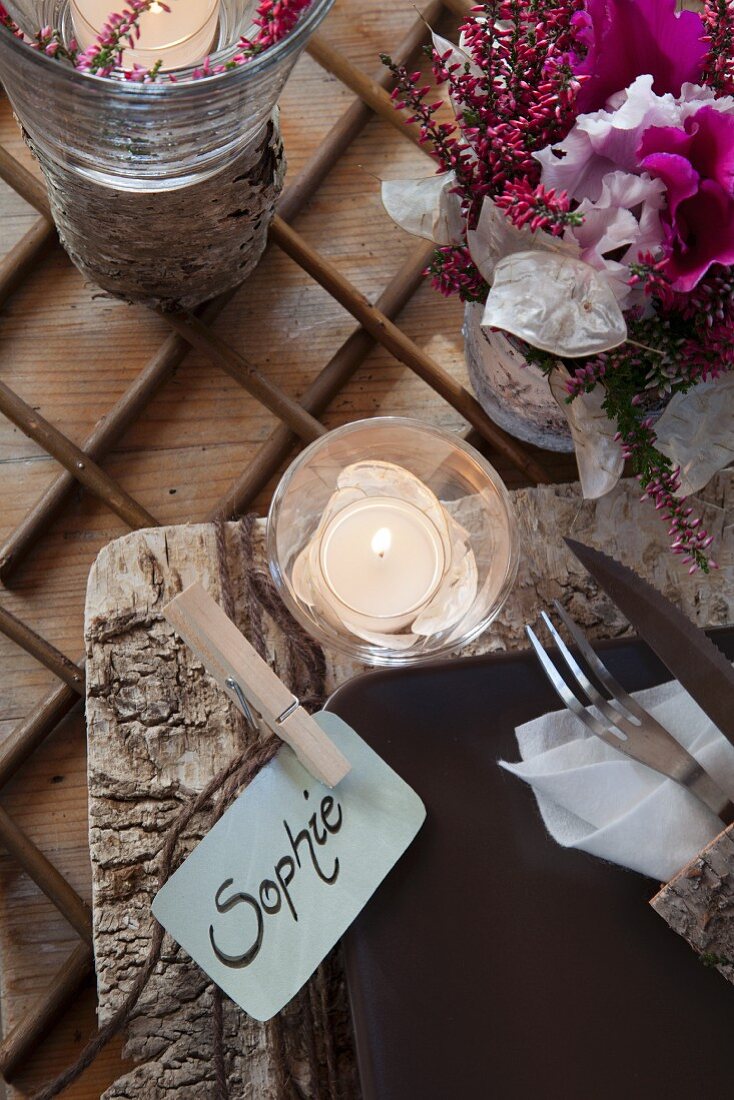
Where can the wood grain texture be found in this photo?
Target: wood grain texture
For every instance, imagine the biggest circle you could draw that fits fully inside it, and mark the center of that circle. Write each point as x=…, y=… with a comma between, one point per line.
x=71, y=353
x=43, y=1013
x=56, y=444
x=158, y=727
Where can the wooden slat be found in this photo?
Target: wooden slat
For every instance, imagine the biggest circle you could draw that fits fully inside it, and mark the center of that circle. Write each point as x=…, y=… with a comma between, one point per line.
x=27, y=186
x=73, y=458
x=354, y=119
x=42, y=650
x=369, y=91
x=98, y=443
x=24, y=256
x=403, y=348
x=25, y=738
x=46, y=876
x=462, y=8
x=21, y=1041
x=220, y=354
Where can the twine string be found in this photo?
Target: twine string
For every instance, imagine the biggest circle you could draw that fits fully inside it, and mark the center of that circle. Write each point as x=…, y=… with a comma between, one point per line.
x=307, y=667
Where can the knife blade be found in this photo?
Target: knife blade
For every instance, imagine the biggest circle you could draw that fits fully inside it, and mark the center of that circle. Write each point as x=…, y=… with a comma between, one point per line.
x=684, y=649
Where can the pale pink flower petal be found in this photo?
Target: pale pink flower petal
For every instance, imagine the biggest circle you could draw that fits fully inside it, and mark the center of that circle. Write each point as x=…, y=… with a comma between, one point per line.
x=605, y=140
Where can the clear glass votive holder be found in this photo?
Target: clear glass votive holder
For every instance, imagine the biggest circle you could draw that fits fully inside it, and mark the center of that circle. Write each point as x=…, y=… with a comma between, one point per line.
x=392, y=541
x=162, y=193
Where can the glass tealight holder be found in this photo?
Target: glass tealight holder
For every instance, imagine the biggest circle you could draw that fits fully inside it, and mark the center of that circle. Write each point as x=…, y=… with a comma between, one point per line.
x=162, y=193
x=392, y=541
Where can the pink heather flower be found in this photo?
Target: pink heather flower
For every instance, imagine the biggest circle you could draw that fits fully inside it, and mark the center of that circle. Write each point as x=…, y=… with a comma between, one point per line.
x=274, y=19
x=625, y=39
x=453, y=271
x=650, y=273
x=696, y=164
x=120, y=30
x=718, y=21
x=7, y=21
x=538, y=207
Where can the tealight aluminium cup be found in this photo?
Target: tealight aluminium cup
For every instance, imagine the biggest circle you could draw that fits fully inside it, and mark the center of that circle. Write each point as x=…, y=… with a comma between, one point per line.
x=392, y=541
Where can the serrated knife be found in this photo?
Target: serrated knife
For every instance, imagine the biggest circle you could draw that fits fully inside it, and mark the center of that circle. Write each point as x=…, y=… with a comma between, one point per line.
x=684, y=649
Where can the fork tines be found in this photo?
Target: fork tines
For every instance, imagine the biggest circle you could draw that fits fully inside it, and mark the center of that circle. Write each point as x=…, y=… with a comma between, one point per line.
x=589, y=691
x=620, y=710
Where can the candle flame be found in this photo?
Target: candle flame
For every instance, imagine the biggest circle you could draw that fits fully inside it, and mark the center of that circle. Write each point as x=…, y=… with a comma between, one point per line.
x=381, y=541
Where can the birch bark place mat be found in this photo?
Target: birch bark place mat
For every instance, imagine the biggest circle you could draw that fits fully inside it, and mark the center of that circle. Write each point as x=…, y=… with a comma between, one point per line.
x=494, y=962
x=158, y=730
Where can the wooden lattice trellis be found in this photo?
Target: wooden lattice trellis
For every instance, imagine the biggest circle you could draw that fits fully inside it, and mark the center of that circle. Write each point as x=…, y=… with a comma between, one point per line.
x=298, y=422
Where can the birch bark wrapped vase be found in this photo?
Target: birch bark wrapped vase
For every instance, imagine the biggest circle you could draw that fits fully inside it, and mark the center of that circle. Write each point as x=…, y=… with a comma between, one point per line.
x=163, y=192
x=513, y=392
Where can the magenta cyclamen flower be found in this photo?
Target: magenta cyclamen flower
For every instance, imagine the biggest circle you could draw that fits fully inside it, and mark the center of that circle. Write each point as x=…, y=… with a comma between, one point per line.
x=625, y=39
x=696, y=164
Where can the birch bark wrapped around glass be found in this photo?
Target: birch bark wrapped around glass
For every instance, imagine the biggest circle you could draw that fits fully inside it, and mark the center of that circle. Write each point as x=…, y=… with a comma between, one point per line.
x=162, y=193
x=512, y=391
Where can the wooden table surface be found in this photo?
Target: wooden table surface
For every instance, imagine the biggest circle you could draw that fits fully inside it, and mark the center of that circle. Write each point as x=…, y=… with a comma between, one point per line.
x=70, y=354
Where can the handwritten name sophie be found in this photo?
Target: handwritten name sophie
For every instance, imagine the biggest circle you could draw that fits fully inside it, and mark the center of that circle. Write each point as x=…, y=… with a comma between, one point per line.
x=274, y=892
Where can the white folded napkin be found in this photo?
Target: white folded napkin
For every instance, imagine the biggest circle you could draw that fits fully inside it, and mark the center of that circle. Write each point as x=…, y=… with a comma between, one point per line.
x=593, y=798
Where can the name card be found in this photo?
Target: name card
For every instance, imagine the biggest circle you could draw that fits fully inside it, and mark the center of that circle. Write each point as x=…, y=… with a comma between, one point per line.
x=284, y=872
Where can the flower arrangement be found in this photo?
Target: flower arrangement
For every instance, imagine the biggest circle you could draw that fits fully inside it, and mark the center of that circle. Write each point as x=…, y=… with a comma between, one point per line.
x=586, y=197
x=273, y=20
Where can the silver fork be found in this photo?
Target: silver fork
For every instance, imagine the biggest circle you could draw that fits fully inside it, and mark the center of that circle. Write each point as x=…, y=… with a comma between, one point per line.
x=628, y=728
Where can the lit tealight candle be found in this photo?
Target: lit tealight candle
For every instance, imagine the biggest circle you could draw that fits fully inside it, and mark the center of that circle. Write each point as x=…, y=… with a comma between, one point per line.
x=177, y=38
x=387, y=562
x=382, y=560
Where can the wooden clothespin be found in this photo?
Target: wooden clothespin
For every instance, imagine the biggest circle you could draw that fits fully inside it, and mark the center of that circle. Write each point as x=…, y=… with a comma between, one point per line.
x=240, y=671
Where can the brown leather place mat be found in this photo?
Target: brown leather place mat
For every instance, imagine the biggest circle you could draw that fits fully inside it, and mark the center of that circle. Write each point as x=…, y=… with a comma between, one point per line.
x=492, y=962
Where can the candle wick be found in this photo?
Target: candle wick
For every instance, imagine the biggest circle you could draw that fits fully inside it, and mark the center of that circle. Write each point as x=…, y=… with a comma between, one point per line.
x=381, y=541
